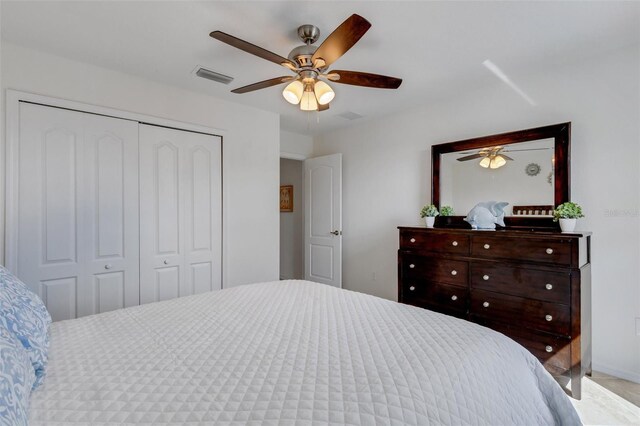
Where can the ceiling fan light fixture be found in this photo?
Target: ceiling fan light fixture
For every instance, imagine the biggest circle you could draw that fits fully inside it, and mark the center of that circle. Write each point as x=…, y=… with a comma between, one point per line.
x=497, y=162
x=485, y=162
x=293, y=92
x=308, y=101
x=324, y=92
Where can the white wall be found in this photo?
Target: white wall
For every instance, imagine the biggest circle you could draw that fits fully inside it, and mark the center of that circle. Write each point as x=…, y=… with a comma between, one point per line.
x=295, y=146
x=387, y=179
x=250, y=152
x=292, y=223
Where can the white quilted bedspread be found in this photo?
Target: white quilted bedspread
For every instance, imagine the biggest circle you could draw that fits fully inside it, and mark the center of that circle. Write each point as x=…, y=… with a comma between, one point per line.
x=290, y=352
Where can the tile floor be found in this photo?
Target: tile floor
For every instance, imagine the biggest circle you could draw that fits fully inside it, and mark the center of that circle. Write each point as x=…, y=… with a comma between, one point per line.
x=608, y=400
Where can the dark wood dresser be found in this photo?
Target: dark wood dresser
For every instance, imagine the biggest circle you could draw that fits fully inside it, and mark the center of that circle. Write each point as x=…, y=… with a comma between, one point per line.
x=534, y=287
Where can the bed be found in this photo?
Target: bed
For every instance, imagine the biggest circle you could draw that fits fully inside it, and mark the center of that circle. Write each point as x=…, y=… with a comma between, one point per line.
x=290, y=352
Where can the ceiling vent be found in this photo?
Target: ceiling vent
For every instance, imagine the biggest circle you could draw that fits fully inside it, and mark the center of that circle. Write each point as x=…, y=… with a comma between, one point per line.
x=212, y=75
x=350, y=115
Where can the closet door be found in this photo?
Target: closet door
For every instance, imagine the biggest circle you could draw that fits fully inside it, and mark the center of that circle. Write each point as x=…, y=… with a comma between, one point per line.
x=77, y=206
x=180, y=213
x=110, y=201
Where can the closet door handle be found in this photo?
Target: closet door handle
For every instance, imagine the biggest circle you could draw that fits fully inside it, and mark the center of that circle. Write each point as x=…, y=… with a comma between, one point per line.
x=166, y=262
x=108, y=266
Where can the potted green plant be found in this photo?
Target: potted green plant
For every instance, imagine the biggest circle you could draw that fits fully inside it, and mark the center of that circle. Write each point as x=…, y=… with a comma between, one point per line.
x=429, y=213
x=567, y=214
x=446, y=211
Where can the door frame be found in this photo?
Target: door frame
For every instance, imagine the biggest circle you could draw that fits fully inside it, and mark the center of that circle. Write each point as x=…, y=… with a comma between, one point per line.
x=9, y=250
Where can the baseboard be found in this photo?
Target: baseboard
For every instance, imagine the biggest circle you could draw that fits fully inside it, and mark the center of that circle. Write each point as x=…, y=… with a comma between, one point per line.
x=627, y=375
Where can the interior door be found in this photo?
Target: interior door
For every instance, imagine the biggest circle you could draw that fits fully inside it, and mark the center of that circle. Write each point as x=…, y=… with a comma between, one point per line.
x=323, y=219
x=180, y=213
x=110, y=208
x=77, y=208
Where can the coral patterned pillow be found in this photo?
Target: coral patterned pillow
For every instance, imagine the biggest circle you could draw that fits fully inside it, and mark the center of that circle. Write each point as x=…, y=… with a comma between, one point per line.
x=26, y=317
x=16, y=380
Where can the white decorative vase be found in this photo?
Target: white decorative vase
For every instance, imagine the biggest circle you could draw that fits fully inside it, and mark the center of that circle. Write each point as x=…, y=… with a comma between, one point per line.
x=567, y=225
x=430, y=220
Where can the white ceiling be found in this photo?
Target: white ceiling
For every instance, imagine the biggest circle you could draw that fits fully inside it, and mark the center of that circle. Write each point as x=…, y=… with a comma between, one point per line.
x=436, y=47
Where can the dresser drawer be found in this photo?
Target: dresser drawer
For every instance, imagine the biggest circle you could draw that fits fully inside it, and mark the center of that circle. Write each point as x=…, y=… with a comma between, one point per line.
x=433, y=241
x=552, y=351
x=437, y=297
x=531, y=283
x=520, y=311
x=455, y=272
x=551, y=251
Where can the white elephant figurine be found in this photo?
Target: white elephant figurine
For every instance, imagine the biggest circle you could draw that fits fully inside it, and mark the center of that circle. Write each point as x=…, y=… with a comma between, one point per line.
x=486, y=215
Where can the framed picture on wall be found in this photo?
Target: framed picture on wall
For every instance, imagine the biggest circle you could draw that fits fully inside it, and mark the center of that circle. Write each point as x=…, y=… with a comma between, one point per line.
x=286, y=198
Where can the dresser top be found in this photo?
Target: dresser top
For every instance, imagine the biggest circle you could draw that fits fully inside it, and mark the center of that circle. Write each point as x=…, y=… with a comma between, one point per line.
x=502, y=232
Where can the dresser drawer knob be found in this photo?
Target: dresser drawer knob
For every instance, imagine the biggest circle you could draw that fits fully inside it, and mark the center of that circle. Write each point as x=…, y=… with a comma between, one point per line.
x=485, y=277
x=548, y=317
x=108, y=266
x=455, y=244
x=485, y=304
x=413, y=240
x=548, y=348
x=454, y=297
x=549, y=251
x=412, y=288
x=548, y=286
x=454, y=272
x=487, y=246
x=412, y=266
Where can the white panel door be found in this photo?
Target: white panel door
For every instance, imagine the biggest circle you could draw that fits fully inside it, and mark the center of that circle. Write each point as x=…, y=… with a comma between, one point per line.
x=110, y=206
x=76, y=187
x=323, y=219
x=180, y=213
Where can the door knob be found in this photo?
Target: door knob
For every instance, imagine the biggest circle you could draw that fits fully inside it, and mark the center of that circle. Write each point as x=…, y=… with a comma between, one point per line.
x=336, y=232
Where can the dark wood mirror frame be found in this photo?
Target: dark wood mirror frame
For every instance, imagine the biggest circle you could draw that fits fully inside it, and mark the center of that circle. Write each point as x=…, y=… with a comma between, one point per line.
x=561, y=134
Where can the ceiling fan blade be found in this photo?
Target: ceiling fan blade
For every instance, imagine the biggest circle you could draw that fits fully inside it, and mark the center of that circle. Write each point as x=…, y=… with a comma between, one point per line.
x=470, y=157
x=340, y=40
x=527, y=149
x=253, y=49
x=506, y=157
x=366, y=79
x=262, y=84
x=331, y=76
x=323, y=107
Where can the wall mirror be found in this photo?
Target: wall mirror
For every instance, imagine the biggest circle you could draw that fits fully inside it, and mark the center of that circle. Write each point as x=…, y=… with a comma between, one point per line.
x=529, y=169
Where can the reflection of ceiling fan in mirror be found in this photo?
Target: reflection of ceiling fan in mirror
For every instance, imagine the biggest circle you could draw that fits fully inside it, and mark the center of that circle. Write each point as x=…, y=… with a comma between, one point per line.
x=311, y=63
x=493, y=157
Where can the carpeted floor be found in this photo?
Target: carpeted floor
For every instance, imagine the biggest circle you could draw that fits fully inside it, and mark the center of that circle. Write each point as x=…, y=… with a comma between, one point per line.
x=608, y=400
